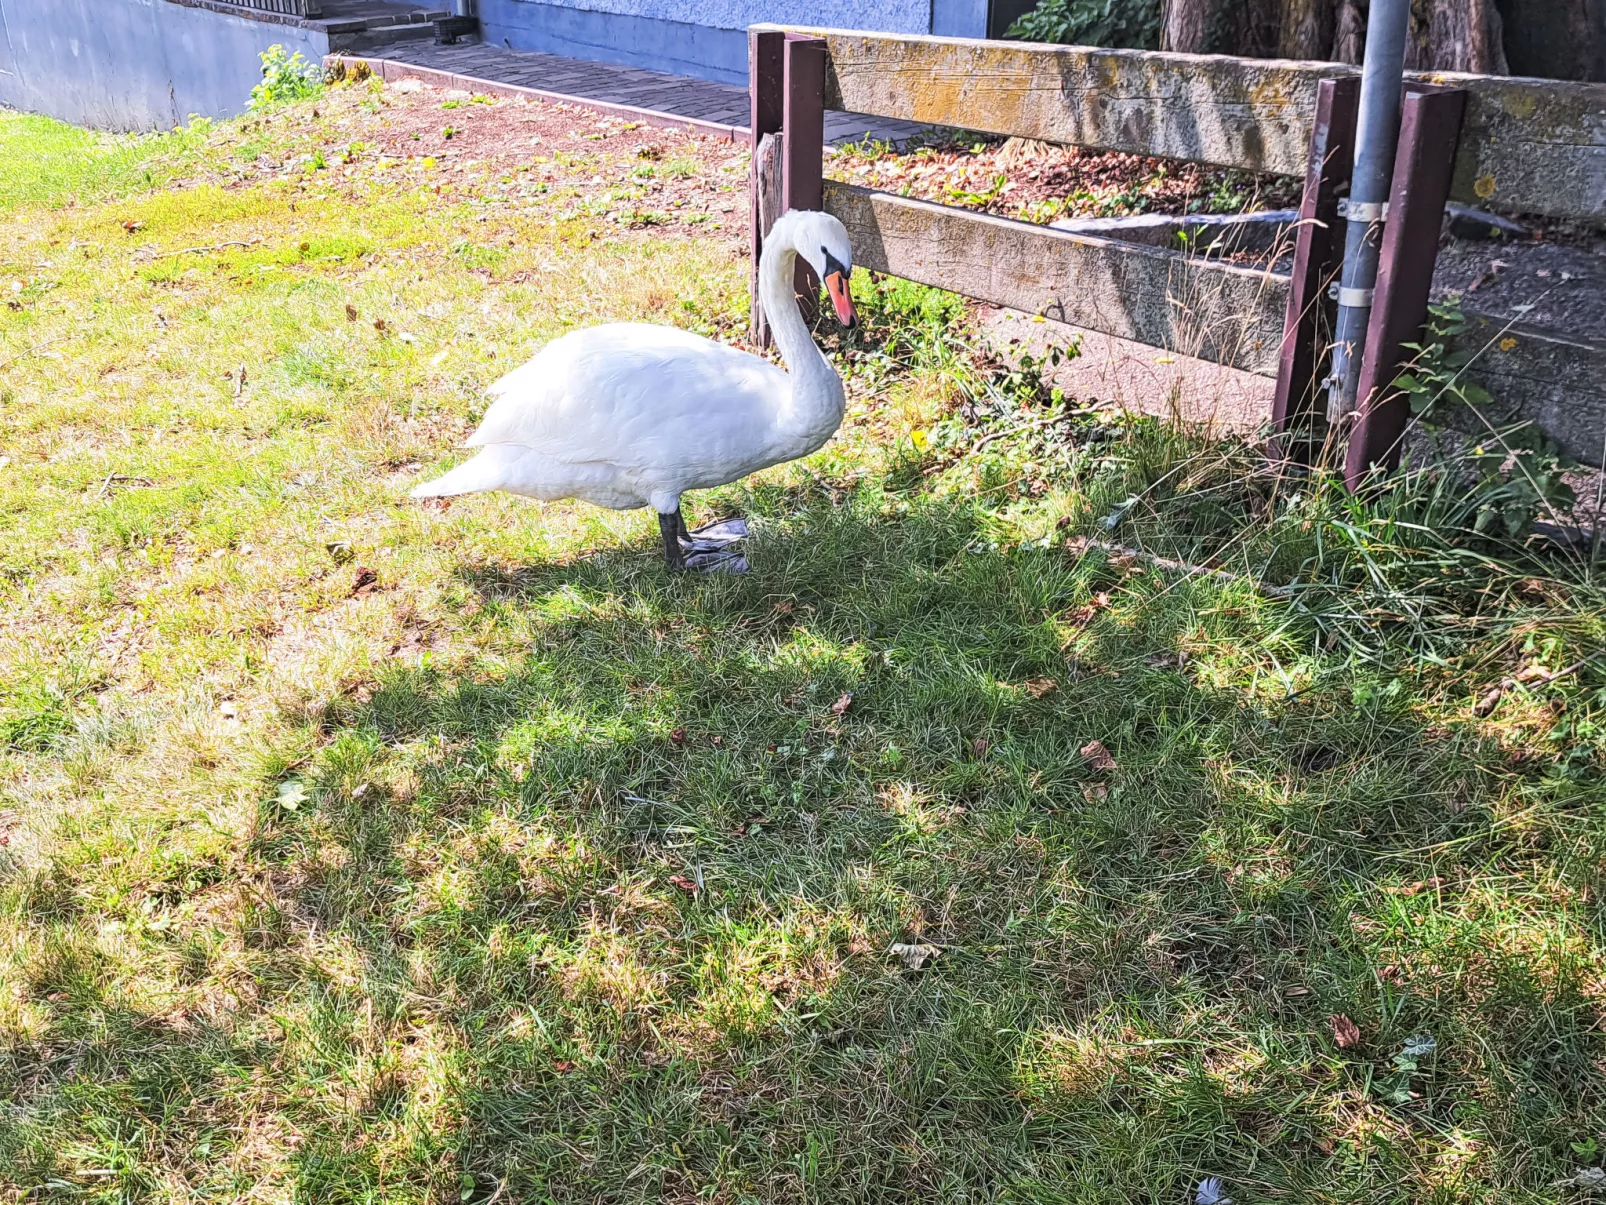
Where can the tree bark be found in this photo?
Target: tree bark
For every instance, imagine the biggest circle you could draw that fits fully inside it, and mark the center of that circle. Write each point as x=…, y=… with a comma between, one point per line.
x=1305, y=29
x=1349, y=32
x=1188, y=25
x=1456, y=35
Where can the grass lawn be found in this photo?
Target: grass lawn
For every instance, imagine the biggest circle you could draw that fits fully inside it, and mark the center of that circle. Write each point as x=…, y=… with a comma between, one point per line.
x=357, y=850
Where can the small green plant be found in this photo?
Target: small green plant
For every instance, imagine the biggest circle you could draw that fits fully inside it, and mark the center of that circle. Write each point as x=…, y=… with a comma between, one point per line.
x=1515, y=475
x=1132, y=23
x=1044, y=211
x=285, y=78
x=33, y=719
x=1395, y=1087
x=986, y=196
x=868, y=149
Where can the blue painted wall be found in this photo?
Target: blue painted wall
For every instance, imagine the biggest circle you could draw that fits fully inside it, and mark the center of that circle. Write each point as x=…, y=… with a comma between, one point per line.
x=706, y=38
x=659, y=43
x=135, y=64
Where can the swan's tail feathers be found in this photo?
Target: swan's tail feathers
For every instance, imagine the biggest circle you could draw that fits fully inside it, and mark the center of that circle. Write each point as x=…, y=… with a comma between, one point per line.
x=487, y=471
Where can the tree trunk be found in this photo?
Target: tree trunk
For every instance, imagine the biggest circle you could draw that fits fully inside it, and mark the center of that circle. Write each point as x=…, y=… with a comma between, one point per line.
x=1349, y=32
x=1305, y=29
x=1188, y=25
x=1254, y=25
x=1558, y=39
x=1455, y=35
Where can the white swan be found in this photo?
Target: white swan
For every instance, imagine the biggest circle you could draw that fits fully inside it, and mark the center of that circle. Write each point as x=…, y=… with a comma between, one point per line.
x=629, y=415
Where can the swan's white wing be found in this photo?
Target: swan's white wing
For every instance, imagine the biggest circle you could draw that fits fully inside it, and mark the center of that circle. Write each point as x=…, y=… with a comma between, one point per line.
x=637, y=396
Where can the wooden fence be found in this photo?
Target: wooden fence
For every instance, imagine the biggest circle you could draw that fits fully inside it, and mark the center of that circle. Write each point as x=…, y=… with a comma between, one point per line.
x=1534, y=146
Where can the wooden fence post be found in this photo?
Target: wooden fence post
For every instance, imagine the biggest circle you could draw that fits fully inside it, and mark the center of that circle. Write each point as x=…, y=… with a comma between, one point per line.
x=1430, y=129
x=803, y=161
x=1318, y=241
x=765, y=90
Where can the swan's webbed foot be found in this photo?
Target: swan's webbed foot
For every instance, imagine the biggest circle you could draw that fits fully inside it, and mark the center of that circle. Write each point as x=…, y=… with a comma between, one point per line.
x=670, y=527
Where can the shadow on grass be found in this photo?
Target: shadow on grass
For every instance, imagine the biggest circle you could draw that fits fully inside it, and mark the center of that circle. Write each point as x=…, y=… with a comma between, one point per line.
x=619, y=902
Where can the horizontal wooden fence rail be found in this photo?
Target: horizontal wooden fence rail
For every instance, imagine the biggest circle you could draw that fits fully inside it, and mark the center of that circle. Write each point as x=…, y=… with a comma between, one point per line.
x=1527, y=145
x=1195, y=306
x=1191, y=305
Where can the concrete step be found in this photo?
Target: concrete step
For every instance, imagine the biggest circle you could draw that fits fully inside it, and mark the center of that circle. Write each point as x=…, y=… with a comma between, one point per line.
x=374, y=25
x=380, y=39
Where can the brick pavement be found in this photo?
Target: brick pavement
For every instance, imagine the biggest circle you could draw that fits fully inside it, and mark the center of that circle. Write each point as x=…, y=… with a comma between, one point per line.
x=613, y=84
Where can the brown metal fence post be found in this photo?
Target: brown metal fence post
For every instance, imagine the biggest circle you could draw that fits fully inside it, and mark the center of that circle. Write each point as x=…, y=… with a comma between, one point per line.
x=803, y=158
x=1430, y=130
x=765, y=90
x=1318, y=242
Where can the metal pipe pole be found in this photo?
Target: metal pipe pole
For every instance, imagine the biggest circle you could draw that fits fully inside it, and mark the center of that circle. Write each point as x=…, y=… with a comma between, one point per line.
x=1377, y=131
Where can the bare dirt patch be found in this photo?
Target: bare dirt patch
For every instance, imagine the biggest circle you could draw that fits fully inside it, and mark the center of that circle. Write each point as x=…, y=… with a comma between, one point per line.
x=566, y=160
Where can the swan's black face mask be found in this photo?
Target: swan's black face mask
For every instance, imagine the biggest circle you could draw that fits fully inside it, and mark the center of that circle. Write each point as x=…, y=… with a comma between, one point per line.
x=836, y=284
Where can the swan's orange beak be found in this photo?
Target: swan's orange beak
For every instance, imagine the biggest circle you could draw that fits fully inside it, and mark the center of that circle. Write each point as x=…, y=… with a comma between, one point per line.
x=836, y=284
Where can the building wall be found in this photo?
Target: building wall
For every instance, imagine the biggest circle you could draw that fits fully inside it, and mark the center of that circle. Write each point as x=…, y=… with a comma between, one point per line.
x=706, y=38
x=135, y=64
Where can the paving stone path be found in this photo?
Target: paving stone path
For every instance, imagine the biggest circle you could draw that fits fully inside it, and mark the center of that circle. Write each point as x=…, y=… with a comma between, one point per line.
x=610, y=83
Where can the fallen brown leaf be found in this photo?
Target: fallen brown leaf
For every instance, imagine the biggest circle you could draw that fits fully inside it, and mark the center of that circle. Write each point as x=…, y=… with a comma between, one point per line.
x=1418, y=887
x=1488, y=703
x=1038, y=687
x=689, y=886
x=980, y=745
x=840, y=707
x=1345, y=1032
x=351, y=312
x=363, y=581
x=1097, y=756
x=1084, y=614
x=563, y=1066
x=677, y=737
x=1095, y=791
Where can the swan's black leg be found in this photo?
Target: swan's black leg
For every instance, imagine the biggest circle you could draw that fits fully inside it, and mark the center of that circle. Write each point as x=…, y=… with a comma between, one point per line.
x=681, y=520
x=670, y=526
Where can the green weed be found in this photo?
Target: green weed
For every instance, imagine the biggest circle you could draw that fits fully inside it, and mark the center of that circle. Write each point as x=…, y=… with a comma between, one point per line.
x=285, y=78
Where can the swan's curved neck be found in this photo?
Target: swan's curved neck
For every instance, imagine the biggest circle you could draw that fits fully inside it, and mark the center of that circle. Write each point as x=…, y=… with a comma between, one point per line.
x=817, y=396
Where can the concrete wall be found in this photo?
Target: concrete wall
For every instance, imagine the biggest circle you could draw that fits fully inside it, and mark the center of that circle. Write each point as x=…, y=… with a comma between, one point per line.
x=135, y=64
x=706, y=38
